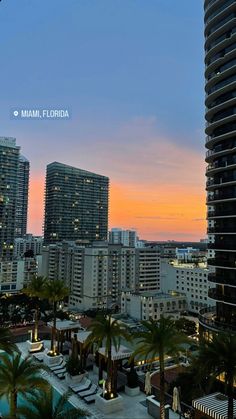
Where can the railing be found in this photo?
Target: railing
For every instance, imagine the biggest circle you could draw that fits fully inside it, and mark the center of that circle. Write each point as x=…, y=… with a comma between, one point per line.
x=212, y=321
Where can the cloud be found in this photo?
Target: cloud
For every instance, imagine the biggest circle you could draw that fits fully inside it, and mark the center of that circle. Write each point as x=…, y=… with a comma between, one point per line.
x=155, y=218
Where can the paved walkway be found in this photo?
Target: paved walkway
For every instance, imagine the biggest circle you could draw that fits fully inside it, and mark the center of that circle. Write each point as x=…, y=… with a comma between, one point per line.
x=133, y=408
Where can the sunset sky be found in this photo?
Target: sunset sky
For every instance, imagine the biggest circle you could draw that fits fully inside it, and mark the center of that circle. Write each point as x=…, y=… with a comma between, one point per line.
x=131, y=74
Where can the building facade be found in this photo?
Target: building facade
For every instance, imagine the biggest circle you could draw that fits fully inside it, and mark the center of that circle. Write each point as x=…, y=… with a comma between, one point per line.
x=220, y=87
x=15, y=274
x=96, y=274
x=22, y=197
x=148, y=269
x=76, y=205
x=126, y=237
x=9, y=162
x=189, y=279
x=26, y=243
x=143, y=306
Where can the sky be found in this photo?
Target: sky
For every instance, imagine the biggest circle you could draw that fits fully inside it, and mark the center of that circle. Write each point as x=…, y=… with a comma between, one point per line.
x=131, y=74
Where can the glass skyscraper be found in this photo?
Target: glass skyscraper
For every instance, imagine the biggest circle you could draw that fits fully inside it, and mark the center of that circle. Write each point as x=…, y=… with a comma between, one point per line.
x=220, y=114
x=76, y=205
x=22, y=197
x=9, y=161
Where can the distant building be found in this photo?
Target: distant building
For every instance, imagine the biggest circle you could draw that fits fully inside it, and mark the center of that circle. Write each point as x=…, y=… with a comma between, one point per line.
x=22, y=197
x=143, y=306
x=76, y=205
x=26, y=243
x=125, y=237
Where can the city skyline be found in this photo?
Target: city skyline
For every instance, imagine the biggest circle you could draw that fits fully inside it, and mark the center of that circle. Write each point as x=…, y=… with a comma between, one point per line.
x=145, y=135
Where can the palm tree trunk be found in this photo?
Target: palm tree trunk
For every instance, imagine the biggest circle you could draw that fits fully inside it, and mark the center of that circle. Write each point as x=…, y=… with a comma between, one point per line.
x=162, y=385
x=13, y=404
x=230, y=393
x=36, y=323
x=53, y=339
x=109, y=371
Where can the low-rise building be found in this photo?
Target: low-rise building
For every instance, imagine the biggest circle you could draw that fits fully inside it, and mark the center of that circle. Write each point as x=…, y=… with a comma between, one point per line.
x=187, y=278
x=143, y=306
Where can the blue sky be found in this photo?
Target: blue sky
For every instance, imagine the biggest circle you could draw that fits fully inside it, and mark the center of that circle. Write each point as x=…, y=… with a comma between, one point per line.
x=130, y=71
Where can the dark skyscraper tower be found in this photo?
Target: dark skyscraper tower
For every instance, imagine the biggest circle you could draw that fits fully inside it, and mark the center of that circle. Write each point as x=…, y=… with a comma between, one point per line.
x=22, y=196
x=9, y=160
x=220, y=87
x=76, y=204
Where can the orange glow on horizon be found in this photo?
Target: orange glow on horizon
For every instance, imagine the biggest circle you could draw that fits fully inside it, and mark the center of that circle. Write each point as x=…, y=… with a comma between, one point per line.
x=157, y=212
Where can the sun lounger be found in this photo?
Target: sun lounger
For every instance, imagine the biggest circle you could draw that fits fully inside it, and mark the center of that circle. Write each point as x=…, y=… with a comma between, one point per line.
x=92, y=390
x=86, y=386
x=58, y=366
x=61, y=376
x=90, y=399
x=39, y=356
x=61, y=370
x=77, y=386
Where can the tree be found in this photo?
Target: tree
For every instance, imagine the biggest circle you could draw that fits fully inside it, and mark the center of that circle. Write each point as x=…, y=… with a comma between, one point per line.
x=35, y=289
x=55, y=291
x=6, y=343
x=218, y=357
x=107, y=332
x=45, y=407
x=159, y=338
x=20, y=377
x=186, y=326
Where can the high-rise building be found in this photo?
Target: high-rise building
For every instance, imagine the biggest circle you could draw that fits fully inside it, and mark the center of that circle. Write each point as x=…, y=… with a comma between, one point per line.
x=148, y=269
x=22, y=196
x=76, y=205
x=9, y=162
x=96, y=274
x=220, y=87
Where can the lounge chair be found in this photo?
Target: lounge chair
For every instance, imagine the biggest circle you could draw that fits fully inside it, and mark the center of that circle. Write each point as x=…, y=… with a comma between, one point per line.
x=90, y=399
x=61, y=376
x=58, y=366
x=92, y=390
x=60, y=371
x=84, y=387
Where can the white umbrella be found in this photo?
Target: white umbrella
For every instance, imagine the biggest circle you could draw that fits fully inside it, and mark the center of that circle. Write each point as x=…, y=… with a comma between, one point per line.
x=176, y=401
x=148, y=386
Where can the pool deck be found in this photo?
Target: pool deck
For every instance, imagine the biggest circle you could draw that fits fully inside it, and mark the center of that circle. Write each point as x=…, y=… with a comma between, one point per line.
x=133, y=409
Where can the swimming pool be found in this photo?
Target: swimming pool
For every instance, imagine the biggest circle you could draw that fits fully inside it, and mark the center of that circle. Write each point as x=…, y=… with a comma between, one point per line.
x=4, y=405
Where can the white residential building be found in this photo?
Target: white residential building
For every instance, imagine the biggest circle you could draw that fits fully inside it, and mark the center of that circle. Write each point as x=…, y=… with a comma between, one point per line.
x=15, y=274
x=189, y=279
x=96, y=274
x=143, y=306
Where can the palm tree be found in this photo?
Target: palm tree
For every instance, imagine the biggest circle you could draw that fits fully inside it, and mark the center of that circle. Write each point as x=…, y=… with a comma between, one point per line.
x=55, y=291
x=20, y=376
x=35, y=289
x=45, y=407
x=107, y=332
x=159, y=338
x=6, y=343
x=218, y=357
